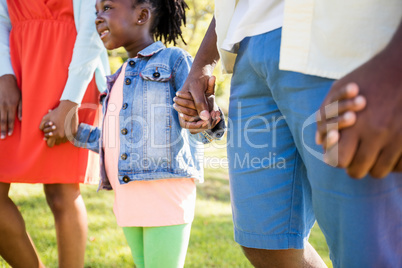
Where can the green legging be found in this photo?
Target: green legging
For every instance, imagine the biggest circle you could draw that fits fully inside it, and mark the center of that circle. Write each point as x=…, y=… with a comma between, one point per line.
x=158, y=247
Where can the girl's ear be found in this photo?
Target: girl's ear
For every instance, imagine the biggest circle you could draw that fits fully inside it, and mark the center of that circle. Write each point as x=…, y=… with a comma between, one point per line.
x=144, y=16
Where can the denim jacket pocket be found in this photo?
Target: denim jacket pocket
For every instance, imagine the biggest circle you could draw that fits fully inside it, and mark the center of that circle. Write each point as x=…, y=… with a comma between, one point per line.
x=158, y=107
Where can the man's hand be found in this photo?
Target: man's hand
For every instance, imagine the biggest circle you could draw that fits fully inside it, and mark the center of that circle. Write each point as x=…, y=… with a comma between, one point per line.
x=199, y=112
x=10, y=103
x=65, y=113
x=340, y=113
x=374, y=144
x=186, y=101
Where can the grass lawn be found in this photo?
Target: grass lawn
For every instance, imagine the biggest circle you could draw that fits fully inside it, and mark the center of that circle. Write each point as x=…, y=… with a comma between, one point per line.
x=211, y=243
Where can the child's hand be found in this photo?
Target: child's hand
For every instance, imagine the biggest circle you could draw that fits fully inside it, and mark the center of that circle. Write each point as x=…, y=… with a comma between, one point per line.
x=188, y=115
x=48, y=130
x=339, y=114
x=67, y=111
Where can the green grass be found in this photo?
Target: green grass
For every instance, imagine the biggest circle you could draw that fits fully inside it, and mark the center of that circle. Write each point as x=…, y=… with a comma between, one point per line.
x=211, y=243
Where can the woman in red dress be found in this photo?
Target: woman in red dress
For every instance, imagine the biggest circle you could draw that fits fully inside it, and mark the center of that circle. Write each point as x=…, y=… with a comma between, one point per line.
x=54, y=52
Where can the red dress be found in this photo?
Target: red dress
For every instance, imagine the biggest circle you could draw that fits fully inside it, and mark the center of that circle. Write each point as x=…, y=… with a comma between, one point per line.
x=41, y=47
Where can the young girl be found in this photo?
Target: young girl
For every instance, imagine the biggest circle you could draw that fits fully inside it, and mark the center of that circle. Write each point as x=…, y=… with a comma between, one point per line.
x=146, y=157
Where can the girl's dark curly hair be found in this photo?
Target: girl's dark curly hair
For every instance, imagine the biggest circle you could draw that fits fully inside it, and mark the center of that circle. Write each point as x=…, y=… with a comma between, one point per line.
x=169, y=15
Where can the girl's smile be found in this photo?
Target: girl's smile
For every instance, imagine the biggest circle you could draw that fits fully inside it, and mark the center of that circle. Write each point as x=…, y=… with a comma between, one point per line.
x=103, y=34
x=123, y=23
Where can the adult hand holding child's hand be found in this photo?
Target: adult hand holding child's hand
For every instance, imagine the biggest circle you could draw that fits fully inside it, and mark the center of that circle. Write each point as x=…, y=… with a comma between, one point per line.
x=65, y=115
x=196, y=105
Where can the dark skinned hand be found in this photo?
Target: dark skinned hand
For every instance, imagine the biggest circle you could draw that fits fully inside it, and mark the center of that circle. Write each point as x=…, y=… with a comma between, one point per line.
x=65, y=115
x=374, y=144
x=10, y=104
x=186, y=105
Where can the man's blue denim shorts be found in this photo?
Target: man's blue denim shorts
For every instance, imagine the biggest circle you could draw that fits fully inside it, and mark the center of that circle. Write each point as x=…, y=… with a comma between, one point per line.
x=279, y=183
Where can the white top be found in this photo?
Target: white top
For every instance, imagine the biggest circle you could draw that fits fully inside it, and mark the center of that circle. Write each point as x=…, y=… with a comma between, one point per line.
x=238, y=19
x=5, y=27
x=333, y=37
x=89, y=56
x=325, y=38
x=253, y=17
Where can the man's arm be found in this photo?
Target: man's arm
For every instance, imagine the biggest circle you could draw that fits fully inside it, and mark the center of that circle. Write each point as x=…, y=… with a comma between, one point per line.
x=374, y=144
x=197, y=81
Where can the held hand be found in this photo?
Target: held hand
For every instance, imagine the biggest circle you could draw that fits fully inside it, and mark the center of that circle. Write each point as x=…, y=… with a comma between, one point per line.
x=66, y=114
x=10, y=103
x=186, y=106
x=196, y=85
x=200, y=83
x=374, y=144
x=340, y=113
x=48, y=130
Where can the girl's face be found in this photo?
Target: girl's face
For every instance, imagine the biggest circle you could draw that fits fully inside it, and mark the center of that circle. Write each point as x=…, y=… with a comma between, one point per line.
x=118, y=24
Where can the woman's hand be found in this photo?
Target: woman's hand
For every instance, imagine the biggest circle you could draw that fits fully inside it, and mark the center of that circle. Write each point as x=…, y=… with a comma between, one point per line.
x=65, y=115
x=10, y=103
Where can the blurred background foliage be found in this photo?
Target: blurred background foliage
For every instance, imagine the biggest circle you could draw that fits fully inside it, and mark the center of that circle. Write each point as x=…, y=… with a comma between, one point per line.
x=199, y=15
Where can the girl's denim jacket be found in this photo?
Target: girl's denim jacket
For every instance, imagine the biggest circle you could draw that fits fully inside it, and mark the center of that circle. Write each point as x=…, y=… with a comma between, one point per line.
x=152, y=143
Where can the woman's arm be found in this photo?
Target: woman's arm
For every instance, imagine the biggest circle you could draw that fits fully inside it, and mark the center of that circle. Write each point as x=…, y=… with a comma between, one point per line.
x=88, y=49
x=5, y=28
x=87, y=53
x=10, y=95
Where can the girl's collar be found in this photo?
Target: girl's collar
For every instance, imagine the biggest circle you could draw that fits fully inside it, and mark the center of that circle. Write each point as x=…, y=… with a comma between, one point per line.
x=151, y=49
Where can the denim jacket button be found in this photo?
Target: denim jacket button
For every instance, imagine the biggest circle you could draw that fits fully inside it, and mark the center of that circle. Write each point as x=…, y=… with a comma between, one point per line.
x=156, y=74
x=132, y=63
x=128, y=81
x=124, y=156
x=126, y=179
x=124, y=131
x=125, y=105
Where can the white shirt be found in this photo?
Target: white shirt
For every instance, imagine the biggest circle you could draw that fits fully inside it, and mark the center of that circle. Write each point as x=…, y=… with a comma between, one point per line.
x=325, y=38
x=253, y=17
x=238, y=19
x=331, y=38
